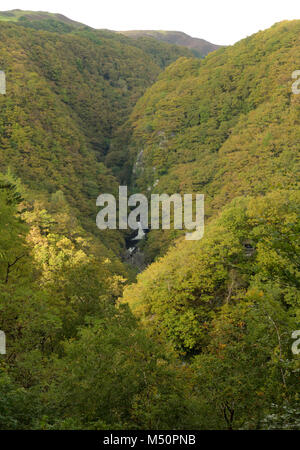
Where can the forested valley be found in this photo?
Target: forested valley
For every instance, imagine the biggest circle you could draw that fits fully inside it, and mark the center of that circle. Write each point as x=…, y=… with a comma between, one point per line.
x=202, y=337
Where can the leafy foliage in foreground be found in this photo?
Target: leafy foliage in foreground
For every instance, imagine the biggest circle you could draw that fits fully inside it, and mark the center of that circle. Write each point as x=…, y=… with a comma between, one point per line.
x=75, y=360
x=230, y=310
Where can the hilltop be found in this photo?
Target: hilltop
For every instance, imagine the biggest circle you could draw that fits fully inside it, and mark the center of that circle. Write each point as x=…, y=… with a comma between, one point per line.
x=18, y=15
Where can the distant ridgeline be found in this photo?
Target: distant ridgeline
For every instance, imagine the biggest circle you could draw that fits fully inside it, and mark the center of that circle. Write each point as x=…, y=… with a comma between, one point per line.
x=199, y=47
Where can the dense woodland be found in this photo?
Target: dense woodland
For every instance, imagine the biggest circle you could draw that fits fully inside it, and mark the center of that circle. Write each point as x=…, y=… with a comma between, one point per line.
x=201, y=339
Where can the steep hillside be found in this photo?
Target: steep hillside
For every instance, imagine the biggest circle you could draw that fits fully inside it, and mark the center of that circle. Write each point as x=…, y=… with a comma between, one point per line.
x=67, y=94
x=199, y=47
x=225, y=126
x=228, y=127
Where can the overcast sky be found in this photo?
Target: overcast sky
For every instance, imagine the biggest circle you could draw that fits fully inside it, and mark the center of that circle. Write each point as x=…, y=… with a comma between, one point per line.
x=218, y=21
